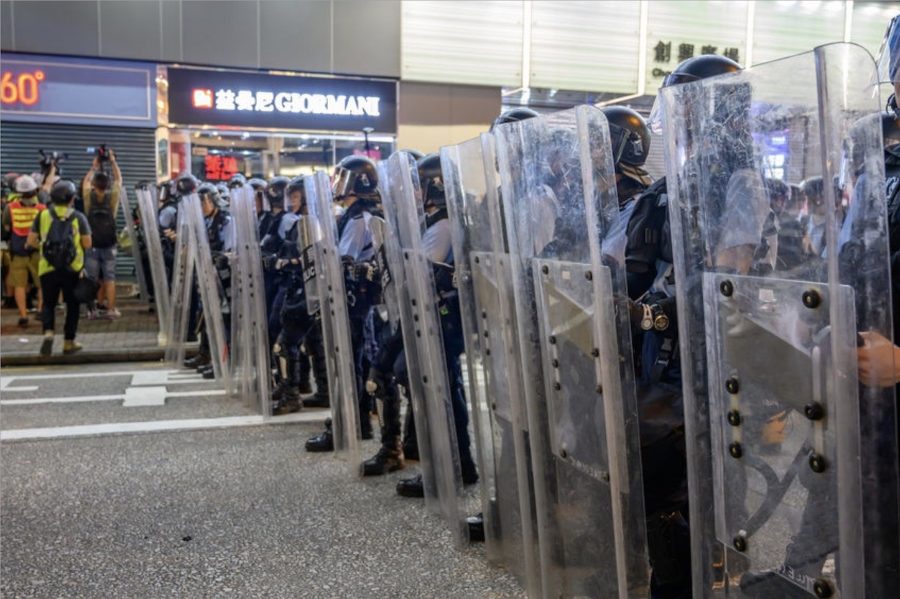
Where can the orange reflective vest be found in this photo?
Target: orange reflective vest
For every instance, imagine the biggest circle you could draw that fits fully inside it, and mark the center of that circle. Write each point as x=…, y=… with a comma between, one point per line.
x=22, y=216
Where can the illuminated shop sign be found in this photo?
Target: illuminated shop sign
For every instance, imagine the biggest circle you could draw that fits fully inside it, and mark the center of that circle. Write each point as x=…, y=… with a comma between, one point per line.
x=201, y=97
x=57, y=89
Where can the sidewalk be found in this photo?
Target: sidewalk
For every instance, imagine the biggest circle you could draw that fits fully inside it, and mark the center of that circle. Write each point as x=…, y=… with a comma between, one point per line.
x=131, y=337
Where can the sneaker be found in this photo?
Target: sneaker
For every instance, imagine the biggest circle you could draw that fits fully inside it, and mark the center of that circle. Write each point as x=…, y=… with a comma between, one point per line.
x=23, y=321
x=112, y=314
x=70, y=347
x=92, y=314
x=47, y=344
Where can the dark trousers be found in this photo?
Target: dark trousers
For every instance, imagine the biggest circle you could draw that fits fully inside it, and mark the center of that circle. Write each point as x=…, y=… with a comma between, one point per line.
x=52, y=283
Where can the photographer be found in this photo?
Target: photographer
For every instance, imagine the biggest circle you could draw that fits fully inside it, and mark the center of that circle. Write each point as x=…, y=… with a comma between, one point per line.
x=17, y=220
x=100, y=191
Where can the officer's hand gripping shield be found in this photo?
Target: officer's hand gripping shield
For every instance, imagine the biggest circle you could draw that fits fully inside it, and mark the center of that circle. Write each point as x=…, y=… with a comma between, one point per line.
x=332, y=296
x=249, y=328
x=492, y=360
x=181, y=291
x=792, y=457
x=212, y=295
x=559, y=199
x=147, y=208
x=424, y=346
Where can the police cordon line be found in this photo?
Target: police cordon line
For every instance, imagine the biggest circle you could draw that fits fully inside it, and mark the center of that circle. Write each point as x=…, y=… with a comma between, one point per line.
x=624, y=387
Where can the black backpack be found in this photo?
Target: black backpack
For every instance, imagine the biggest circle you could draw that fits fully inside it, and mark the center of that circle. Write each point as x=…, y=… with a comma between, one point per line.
x=59, y=247
x=103, y=224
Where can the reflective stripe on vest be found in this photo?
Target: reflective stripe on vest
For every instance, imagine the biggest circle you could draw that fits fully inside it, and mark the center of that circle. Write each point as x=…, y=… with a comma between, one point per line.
x=22, y=217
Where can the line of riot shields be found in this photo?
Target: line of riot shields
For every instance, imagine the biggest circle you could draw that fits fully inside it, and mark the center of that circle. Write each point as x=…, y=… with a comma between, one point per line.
x=644, y=389
x=215, y=291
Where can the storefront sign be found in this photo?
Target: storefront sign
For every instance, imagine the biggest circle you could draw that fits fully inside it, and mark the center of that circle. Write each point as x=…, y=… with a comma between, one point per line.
x=665, y=51
x=223, y=98
x=54, y=89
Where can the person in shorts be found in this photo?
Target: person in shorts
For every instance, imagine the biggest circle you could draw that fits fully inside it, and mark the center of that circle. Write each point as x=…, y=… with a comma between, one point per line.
x=101, y=204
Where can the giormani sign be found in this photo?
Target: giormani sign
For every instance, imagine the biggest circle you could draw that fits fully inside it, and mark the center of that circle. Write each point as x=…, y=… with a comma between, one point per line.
x=262, y=100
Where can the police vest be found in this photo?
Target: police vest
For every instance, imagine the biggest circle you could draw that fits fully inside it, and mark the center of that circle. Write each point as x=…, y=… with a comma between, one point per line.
x=214, y=228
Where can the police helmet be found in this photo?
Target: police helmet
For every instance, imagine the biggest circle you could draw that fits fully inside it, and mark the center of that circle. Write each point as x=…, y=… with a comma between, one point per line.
x=513, y=116
x=355, y=175
x=237, y=180
x=224, y=194
x=275, y=190
x=629, y=134
x=256, y=183
x=63, y=192
x=208, y=191
x=432, y=181
x=692, y=69
x=186, y=184
x=700, y=67
x=416, y=154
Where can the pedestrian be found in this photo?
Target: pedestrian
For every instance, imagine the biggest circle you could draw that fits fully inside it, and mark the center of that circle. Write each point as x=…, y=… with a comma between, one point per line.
x=62, y=234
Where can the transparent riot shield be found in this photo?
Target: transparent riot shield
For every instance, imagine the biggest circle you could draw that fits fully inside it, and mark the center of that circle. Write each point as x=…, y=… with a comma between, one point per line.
x=150, y=229
x=250, y=341
x=132, y=234
x=559, y=200
x=425, y=352
x=181, y=290
x=792, y=455
x=492, y=360
x=212, y=296
x=332, y=294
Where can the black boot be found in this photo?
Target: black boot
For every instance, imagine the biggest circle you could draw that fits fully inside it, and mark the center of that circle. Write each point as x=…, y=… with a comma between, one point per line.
x=323, y=441
x=411, y=487
x=289, y=402
x=475, y=525
x=200, y=359
x=207, y=371
x=388, y=459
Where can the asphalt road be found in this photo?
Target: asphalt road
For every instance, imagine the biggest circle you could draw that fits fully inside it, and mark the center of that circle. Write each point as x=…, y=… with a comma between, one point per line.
x=242, y=511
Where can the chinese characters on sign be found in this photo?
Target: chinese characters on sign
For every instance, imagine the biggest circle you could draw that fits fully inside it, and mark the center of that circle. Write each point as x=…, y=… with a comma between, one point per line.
x=220, y=168
x=662, y=55
x=267, y=101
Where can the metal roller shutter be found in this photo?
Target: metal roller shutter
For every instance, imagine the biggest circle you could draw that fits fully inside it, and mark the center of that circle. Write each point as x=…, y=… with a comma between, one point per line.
x=134, y=147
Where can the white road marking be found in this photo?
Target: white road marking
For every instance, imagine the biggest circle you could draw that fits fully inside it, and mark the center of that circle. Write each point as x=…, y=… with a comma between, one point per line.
x=88, y=398
x=117, y=428
x=138, y=378
x=144, y=396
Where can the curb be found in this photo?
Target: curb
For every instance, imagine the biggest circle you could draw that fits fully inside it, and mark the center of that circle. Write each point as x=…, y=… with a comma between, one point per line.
x=86, y=357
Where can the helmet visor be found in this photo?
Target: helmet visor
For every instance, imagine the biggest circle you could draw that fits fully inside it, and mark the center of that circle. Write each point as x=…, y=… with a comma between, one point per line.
x=889, y=54
x=342, y=182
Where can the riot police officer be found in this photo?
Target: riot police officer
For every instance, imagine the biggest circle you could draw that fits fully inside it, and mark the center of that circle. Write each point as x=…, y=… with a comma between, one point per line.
x=436, y=241
x=355, y=189
x=273, y=237
x=220, y=234
x=651, y=279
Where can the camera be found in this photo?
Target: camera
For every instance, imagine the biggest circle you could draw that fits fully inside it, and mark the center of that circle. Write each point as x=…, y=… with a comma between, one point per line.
x=53, y=158
x=102, y=153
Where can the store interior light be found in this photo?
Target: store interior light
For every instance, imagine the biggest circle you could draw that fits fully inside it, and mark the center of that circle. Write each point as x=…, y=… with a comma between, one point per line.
x=245, y=135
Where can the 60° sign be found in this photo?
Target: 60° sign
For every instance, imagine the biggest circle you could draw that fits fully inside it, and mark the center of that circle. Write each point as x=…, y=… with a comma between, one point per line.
x=21, y=88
